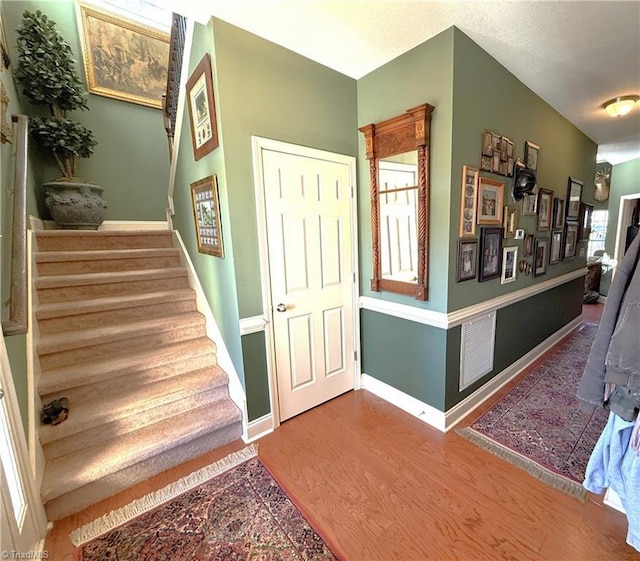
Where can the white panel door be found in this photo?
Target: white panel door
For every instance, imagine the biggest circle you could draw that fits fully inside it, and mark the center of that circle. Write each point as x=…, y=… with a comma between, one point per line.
x=309, y=238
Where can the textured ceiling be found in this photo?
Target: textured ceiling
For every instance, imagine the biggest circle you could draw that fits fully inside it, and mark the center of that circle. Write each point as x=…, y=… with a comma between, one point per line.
x=575, y=55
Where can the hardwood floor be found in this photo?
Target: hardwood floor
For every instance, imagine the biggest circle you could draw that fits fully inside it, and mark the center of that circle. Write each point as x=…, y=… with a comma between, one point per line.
x=380, y=485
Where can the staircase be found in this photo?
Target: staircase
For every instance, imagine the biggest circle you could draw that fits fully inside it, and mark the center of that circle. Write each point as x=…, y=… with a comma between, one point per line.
x=120, y=337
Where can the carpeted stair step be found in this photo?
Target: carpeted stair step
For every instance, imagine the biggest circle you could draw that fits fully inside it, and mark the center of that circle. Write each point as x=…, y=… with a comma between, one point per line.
x=158, y=442
x=66, y=316
x=66, y=288
x=76, y=347
x=138, y=367
x=97, y=261
x=78, y=499
x=70, y=240
x=95, y=421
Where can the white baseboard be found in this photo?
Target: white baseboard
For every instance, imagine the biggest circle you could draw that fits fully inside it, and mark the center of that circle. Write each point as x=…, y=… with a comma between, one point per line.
x=445, y=421
x=259, y=427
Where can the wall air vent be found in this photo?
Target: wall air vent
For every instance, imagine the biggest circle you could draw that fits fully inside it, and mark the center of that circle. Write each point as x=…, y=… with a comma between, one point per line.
x=476, y=348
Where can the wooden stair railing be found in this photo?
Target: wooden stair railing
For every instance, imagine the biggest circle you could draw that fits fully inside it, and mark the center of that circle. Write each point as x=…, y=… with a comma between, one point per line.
x=172, y=95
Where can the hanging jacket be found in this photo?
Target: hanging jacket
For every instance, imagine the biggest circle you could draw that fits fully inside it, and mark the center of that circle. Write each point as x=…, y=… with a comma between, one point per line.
x=615, y=352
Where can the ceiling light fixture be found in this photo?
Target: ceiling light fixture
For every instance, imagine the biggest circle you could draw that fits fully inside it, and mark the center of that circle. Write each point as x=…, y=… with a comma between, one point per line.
x=621, y=105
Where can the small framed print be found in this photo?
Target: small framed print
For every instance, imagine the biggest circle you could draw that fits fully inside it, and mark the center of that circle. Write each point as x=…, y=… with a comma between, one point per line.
x=545, y=209
x=556, y=247
x=528, y=245
x=206, y=212
x=571, y=231
x=509, y=264
x=467, y=260
x=202, y=109
x=540, y=256
x=574, y=198
x=510, y=221
x=490, y=254
x=486, y=163
x=586, y=210
x=529, y=205
x=487, y=143
x=490, y=197
x=469, y=201
x=558, y=213
x=531, y=152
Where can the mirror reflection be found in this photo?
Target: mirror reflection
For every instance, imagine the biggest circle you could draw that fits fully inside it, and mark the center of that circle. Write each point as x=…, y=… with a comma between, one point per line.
x=398, y=199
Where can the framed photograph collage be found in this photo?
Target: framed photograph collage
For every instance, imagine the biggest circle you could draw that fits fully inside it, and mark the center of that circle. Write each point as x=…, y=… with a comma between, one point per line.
x=488, y=216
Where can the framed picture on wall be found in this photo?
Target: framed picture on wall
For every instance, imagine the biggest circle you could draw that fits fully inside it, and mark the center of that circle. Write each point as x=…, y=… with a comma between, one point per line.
x=555, y=253
x=202, y=109
x=509, y=264
x=573, y=199
x=490, y=254
x=467, y=260
x=510, y=221
x=558, y=213
x=586, y=210
x=529, y=205
x=545, y=209
x=490, y=206
x=571, y=232
x=540, y=256
x=122, y=59
x=531, y=152
x=206, y=212
x=469, y=201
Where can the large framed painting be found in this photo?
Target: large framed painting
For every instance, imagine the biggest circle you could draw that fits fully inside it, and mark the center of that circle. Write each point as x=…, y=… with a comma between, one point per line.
x=124, y=60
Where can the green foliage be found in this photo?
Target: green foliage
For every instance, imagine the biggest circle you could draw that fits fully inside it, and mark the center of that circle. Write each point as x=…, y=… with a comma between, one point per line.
x=46, y=72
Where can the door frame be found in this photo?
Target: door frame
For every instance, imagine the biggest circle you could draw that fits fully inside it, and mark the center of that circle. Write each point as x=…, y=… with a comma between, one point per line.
x=258, y=144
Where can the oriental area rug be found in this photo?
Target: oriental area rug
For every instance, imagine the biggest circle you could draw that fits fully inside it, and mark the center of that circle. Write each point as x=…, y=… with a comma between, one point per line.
x=538, y=425
x=234, y=511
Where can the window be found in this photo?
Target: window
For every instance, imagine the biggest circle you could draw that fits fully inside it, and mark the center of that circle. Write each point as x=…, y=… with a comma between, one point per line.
x=599, y=220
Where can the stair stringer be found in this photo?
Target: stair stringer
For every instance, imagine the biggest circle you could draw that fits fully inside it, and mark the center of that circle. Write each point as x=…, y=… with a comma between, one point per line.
x=236, y=391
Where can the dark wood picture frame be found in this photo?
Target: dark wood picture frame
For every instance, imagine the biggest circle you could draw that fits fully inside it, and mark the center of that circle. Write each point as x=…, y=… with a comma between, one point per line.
x=490, y=261
x=202, y=109
x=571, y=233
x=467, y=260
x=573, y=199
x=545, y=209
x=206, y=213
x=558, y=213
x=540, y=256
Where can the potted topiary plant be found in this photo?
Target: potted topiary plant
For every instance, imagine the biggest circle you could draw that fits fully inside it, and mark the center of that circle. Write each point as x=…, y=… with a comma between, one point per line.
x=46, y=73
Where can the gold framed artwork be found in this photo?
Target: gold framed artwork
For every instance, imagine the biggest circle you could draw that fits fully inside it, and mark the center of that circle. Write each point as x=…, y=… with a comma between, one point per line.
x=545, y=209
x=510, y=221
x=206, y=212
x=123, y=60
x=469, y=202
x=490, y=197
x=202, y=109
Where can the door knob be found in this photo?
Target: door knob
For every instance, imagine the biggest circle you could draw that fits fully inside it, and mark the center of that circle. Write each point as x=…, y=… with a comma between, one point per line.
x=281, y=307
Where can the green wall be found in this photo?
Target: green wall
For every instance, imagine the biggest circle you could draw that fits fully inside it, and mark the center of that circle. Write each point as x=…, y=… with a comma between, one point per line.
x=471, y=92
x=507, y=107
x=131, y=160
x=422, y=75
x=264, y=90
x=625, y=180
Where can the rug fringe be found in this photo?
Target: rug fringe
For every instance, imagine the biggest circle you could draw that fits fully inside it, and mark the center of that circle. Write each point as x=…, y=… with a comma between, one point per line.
x=144, y=504
x=545, y=475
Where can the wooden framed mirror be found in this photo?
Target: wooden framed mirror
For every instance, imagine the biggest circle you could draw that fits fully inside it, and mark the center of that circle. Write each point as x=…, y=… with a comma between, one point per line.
x=398, y=154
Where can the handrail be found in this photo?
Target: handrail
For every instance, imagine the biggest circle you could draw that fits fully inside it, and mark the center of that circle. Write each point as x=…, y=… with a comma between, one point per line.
x=170, y=98
x=18, y=324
